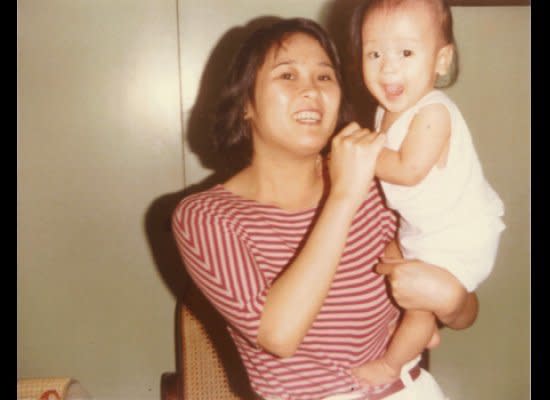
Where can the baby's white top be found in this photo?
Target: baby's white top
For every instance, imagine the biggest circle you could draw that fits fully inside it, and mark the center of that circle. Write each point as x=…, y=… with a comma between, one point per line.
x=449, y=195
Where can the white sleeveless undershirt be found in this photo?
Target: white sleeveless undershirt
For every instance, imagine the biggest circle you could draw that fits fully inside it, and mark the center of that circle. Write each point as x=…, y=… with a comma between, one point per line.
x=453, y=207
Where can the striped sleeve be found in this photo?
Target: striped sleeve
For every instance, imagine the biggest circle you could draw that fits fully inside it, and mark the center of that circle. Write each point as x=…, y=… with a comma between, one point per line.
x=216, y=257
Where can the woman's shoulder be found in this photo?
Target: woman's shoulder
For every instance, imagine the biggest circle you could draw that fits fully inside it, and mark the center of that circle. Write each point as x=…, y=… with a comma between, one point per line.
x=211, y=203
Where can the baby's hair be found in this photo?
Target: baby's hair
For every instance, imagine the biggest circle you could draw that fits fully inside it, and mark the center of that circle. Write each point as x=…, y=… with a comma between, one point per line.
x=443, y=13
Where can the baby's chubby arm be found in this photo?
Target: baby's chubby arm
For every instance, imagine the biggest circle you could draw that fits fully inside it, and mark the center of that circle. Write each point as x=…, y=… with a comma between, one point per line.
x=422, y=148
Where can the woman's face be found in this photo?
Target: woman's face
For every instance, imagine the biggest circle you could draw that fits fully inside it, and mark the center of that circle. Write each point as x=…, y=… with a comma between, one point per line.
x=297, y=98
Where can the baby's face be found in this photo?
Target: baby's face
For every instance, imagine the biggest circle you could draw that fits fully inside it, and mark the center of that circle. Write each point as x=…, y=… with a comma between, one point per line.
x=402, y=54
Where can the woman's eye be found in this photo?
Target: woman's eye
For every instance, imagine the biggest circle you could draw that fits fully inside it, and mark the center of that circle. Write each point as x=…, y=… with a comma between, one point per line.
x=287, y=75
x=325, y=77
x=373, y=55
x=407, y=53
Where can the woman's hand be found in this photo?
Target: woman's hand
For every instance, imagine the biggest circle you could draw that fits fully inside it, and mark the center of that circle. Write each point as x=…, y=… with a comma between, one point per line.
x=354, y=151
x=418, y=285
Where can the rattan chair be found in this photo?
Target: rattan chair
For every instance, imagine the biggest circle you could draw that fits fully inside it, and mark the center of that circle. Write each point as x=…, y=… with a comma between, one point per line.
x=208, y=366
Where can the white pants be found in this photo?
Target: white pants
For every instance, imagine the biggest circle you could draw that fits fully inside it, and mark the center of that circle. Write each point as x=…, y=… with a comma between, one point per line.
x=467, y=251
x=422, y=388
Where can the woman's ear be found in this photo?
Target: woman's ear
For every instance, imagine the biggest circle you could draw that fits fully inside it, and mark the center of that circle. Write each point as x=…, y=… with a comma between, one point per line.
x=444, y=60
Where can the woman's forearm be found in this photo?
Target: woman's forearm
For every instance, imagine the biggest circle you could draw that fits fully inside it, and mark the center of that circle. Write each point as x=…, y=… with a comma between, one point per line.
x=286, y=317
x=463, y=314
x=418, y=285
x=458, y=308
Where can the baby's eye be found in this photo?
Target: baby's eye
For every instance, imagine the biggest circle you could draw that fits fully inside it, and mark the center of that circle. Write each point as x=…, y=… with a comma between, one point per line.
x=373, y=55
x=407, y=53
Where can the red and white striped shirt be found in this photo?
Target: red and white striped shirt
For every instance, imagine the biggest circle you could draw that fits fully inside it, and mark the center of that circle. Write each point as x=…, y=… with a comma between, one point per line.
x=233, y=249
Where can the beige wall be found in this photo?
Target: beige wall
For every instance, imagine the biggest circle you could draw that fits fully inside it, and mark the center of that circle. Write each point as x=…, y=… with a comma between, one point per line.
x=491, y=360
x=100, y=166
x=99, y=138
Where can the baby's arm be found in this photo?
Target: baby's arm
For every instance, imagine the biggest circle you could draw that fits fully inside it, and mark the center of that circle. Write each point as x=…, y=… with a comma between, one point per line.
x=422, y=148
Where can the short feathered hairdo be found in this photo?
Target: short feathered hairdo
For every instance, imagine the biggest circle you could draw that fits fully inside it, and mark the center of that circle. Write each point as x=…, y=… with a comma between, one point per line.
x=232, y=136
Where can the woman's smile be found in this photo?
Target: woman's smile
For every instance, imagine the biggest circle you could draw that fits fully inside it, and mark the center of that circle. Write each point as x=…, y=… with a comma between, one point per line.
x=297, y=98
x=308, y=116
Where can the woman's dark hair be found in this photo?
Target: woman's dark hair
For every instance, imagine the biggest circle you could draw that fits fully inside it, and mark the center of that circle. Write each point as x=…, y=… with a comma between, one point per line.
x=232, y=136
x=442, y=12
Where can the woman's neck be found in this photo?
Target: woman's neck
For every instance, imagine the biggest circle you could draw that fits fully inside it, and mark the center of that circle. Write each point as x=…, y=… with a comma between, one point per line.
x=292, y=185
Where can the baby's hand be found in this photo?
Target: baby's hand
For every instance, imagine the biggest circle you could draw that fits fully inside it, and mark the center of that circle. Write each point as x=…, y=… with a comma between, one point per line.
x=377, y=372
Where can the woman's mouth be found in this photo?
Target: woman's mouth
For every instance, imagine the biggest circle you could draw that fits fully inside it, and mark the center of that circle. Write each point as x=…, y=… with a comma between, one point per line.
x=308, y=116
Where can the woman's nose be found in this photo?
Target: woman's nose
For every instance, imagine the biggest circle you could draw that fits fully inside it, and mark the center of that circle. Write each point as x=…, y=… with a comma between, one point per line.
x=310, y=88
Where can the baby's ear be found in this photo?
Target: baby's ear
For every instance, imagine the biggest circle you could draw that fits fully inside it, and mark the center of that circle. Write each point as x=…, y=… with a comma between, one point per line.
x=444, y=59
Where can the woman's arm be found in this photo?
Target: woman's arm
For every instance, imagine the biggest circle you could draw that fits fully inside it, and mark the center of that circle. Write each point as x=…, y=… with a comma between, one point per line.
x=286, y=318
x=418, y=285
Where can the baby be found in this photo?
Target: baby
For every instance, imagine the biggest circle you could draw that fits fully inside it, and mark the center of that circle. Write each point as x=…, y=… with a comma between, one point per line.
x=429, y=170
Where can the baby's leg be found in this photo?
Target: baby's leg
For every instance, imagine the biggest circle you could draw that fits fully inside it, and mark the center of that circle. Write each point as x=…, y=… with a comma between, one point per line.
x=411, y=337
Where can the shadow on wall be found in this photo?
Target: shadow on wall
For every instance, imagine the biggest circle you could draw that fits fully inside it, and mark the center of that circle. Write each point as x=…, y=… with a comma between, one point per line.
x=157, y=220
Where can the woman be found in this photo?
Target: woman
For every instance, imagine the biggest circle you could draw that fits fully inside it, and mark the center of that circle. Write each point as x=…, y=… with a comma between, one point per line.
x=288, y=259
